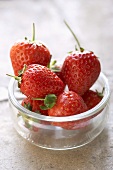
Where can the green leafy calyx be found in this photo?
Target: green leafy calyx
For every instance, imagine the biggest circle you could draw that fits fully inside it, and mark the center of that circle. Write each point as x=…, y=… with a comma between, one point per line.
x=49, y=101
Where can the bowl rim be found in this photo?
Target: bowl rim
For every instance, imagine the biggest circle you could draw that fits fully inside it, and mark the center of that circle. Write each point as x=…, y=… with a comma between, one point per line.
x=80, y=116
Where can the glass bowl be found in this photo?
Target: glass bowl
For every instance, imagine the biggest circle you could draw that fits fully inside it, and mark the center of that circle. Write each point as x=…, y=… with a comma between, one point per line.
x=50, y=132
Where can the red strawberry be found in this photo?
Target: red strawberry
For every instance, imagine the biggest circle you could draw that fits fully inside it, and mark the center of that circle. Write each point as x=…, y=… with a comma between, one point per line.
x=34, y=105
x=92, y=98
x=80, y=70
x=38, y=81
x=68, y=103
x=28, y=52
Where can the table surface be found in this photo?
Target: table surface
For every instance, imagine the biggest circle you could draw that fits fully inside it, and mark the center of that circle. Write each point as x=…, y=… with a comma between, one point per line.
x=93, y=23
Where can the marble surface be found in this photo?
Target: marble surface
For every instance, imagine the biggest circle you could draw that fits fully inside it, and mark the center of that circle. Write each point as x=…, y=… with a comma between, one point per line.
x=93, y=23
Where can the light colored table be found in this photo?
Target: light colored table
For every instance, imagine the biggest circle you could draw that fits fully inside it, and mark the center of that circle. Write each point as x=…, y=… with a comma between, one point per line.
x=93, y=23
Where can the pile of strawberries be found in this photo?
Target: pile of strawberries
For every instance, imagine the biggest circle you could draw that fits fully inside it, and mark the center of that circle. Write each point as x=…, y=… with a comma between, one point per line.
x=43, y=82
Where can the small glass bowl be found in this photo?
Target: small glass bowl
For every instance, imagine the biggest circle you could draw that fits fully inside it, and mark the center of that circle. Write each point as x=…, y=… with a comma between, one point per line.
x=50, y=132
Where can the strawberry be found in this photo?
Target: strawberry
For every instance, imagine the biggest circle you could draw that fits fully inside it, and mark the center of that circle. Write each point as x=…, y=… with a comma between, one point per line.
x=68, y=103
x=92, y=98
x=29, y=52
x=34, y=105
x=80, y=69
x=38, y=81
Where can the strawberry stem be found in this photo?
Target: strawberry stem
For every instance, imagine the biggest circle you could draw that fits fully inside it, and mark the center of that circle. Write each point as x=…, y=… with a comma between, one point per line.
x=20, y=72
x=38, y=99
x=33, y=32
x=76, y=39
x=18, y=78
x=15, y=77
x=51, y=64
x=53, y=67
